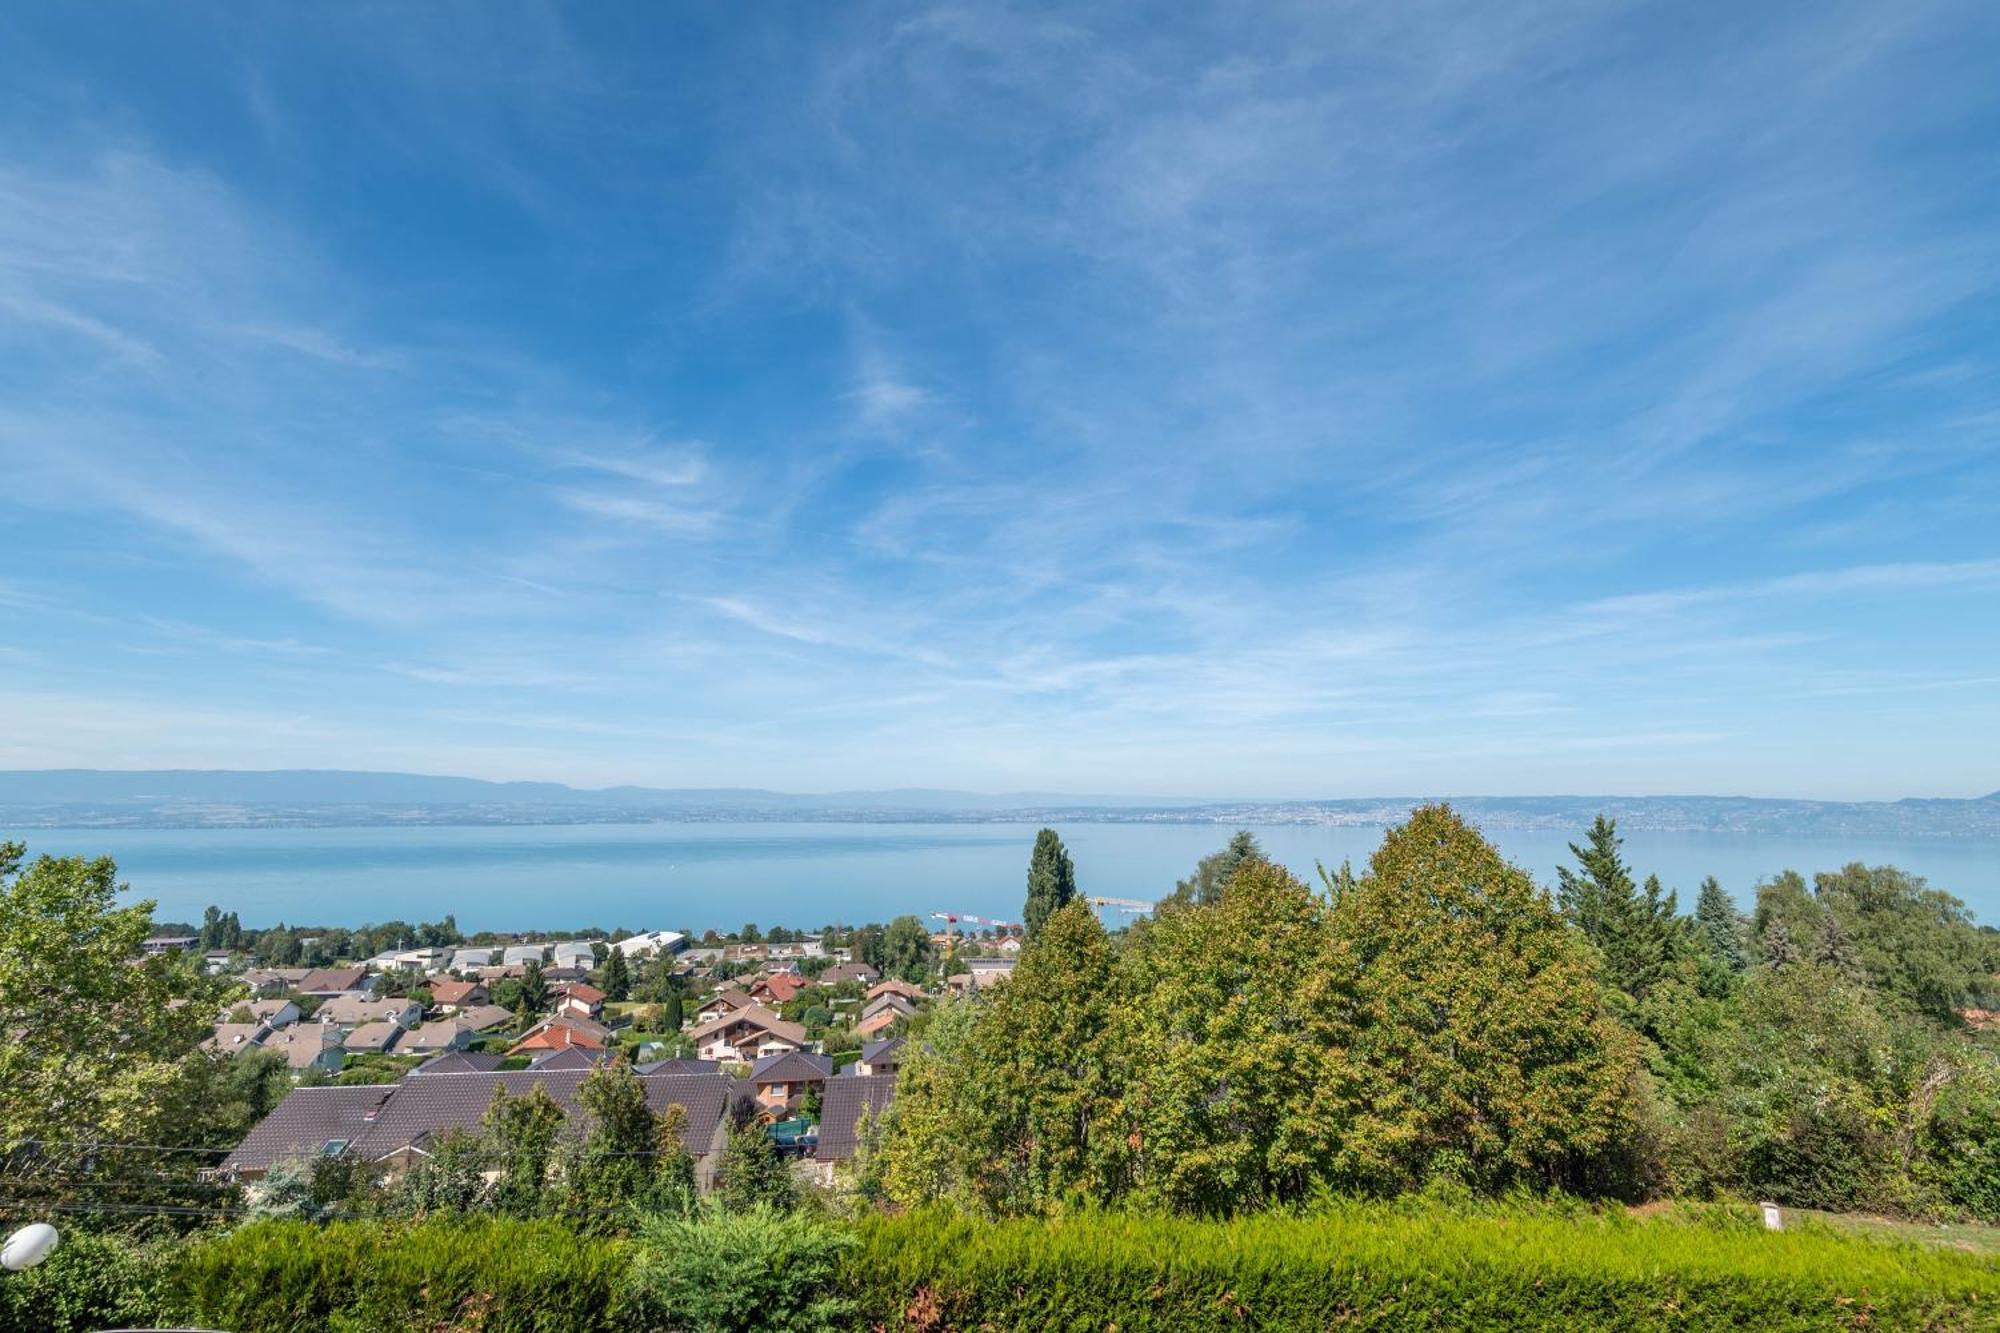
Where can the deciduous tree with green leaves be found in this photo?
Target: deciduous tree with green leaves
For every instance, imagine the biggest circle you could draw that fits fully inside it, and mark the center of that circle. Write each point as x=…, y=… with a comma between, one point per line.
x=1237, y=1047
x=1480, y=1039
x=98, y=1044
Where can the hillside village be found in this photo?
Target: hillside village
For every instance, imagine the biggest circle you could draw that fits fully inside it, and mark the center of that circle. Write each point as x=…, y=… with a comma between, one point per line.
x=391, y=1053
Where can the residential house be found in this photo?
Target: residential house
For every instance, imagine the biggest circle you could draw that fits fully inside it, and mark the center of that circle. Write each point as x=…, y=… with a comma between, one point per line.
x=519, y=955
x=844, y=1102
x=895, y=986
x=274, y=980
x=460, y=1062
x=389, y=1126
x=335, y=981
x=747, y=1035
x=681, y=1067
x=483, y=1017
x=571, y=1057
x=560, y=1033
x=722, y=1004
x=352, y=1011
x=309, y=1046
x=466, y=960
x=1009, y=946
x=443, y=1034
x=781, y=1081
x=579, y=998
x=449, y=995
x=882, y=1014
x=216, y=961
x=372, y=1038
x=880, y=1057
x=236, y=1038
x=860, y=972
x=778, y=988
x=273, y=1013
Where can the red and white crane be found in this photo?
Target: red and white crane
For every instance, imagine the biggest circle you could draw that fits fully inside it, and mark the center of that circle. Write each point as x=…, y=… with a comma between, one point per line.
x=951, y=920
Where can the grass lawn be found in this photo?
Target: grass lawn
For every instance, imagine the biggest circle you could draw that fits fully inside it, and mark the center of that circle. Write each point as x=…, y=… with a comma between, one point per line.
x=1972, y=1237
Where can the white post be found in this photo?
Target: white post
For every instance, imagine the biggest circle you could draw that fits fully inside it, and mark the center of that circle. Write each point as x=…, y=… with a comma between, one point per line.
x=1773, y=1219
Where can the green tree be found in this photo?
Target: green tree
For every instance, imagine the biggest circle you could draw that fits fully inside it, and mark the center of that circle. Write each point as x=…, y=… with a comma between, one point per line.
x=1214, y=871
x=450, y=1180
x=617, y=978
x=1051, y=881
x=1237, y=1054
x=759, y=1268
x=751, y=1174
x=906, y=950
x=614, y=1167
x=521, y=1133
x=672, y=1011
x=533, y=996
x=1635, y=930
x=1721, y=925
x=936, y=1134
x=101, y=1045
x=1481, y=1045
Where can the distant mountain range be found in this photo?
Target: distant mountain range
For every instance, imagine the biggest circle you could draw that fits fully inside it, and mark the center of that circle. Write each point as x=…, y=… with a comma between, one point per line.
x=306, y=798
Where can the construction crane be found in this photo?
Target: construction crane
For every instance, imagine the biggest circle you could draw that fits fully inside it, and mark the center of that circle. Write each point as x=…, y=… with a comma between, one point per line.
x=951, y=920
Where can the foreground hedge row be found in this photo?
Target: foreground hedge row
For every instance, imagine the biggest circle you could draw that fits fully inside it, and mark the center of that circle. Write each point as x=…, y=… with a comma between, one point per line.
x=1378, y=1268
x=1360, y=1268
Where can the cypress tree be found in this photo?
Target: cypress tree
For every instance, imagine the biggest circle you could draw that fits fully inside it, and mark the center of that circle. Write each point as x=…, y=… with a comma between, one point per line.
x=1051, y=881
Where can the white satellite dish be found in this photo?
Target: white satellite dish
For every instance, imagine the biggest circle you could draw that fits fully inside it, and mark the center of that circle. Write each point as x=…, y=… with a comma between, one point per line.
x=28, y=1247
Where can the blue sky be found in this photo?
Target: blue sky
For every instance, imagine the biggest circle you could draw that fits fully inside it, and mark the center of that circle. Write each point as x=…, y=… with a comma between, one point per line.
x=1178, y=399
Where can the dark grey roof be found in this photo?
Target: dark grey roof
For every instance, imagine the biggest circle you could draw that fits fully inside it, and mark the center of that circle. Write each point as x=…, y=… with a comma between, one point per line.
x=875, y=1051
x=381, y=1119
x=306, y=1121
x=682, y=1067
x=840, y=1111
x=791, y=1067
x=460, y=1062
x=572, y=1057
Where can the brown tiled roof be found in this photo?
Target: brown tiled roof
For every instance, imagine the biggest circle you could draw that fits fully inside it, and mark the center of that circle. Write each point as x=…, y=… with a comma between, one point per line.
x=481, y=1017
x=841, y=1104
x=417, y=1110
x=446, y=991
x=848, y=972
x=373, y=1037
x=303, y=1043
x=757, y=1016
x=331, y=980
x=896, y=986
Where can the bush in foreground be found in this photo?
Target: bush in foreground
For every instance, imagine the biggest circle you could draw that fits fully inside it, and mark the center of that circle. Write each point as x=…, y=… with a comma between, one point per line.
x=1380, y=1267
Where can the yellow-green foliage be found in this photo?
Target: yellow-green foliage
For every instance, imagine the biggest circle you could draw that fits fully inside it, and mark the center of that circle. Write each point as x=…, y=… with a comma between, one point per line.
x=1390, y=1267
x=496, y=1275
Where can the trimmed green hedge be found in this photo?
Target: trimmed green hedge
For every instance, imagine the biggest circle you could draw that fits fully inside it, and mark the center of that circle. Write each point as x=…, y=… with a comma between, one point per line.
x=1387, y=1268
x=493, y=1275
x=1353, y=1267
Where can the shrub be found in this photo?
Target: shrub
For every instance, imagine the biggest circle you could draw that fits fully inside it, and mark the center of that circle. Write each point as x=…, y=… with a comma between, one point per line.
x=92, y=1281
x=1404, y=1266
x=760, y=1270
x=495, y=1275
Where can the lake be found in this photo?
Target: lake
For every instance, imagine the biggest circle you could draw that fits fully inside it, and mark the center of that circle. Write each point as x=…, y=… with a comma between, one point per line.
x=651, y=876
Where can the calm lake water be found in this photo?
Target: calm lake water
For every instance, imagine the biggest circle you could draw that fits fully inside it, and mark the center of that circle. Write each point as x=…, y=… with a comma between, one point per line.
x=650, y=876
